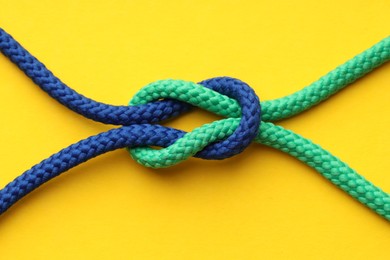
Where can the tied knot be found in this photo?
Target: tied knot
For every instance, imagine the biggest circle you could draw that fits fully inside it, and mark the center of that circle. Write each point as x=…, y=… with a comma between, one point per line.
x=221, y=139
x=224, y=96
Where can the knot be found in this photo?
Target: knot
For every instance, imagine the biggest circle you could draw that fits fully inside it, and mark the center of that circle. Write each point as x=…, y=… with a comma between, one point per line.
x=218, y=140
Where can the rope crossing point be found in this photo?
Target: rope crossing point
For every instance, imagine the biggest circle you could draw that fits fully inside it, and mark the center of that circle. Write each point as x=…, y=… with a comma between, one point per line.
x=246, y=121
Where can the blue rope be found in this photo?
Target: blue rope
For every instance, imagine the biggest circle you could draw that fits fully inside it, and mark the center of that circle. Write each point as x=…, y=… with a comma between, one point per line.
x=136, y=131
x=75, y=154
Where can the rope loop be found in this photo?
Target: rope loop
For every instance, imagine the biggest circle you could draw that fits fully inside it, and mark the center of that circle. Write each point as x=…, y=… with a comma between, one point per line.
x=222, y=139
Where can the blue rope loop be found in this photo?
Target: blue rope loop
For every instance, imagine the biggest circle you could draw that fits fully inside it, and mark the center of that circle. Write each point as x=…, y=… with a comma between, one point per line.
x=137, y=130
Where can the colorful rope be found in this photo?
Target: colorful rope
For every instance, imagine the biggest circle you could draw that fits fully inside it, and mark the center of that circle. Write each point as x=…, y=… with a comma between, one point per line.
x=221, y=139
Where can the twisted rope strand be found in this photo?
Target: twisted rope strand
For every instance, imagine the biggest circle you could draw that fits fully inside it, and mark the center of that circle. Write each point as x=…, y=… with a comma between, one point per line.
x=217, y=140
x=328, y=85
x=97, y=111
x=75, y=154
x=329, y=166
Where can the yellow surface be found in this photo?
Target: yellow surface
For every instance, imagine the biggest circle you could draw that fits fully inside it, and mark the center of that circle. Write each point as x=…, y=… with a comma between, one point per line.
x=259, y=205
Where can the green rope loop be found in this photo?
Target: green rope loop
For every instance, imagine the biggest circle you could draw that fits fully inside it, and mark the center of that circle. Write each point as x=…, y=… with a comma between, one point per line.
x=271, y=135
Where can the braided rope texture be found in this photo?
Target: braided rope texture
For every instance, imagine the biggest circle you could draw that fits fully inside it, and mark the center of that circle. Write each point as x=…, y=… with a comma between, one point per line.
x=221, y=139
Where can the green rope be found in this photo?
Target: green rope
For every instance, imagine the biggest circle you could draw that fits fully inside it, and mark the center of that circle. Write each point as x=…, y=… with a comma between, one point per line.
x=271, y=135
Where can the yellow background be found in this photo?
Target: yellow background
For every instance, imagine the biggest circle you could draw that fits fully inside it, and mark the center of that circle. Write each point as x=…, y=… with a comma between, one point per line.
x=261, y=204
